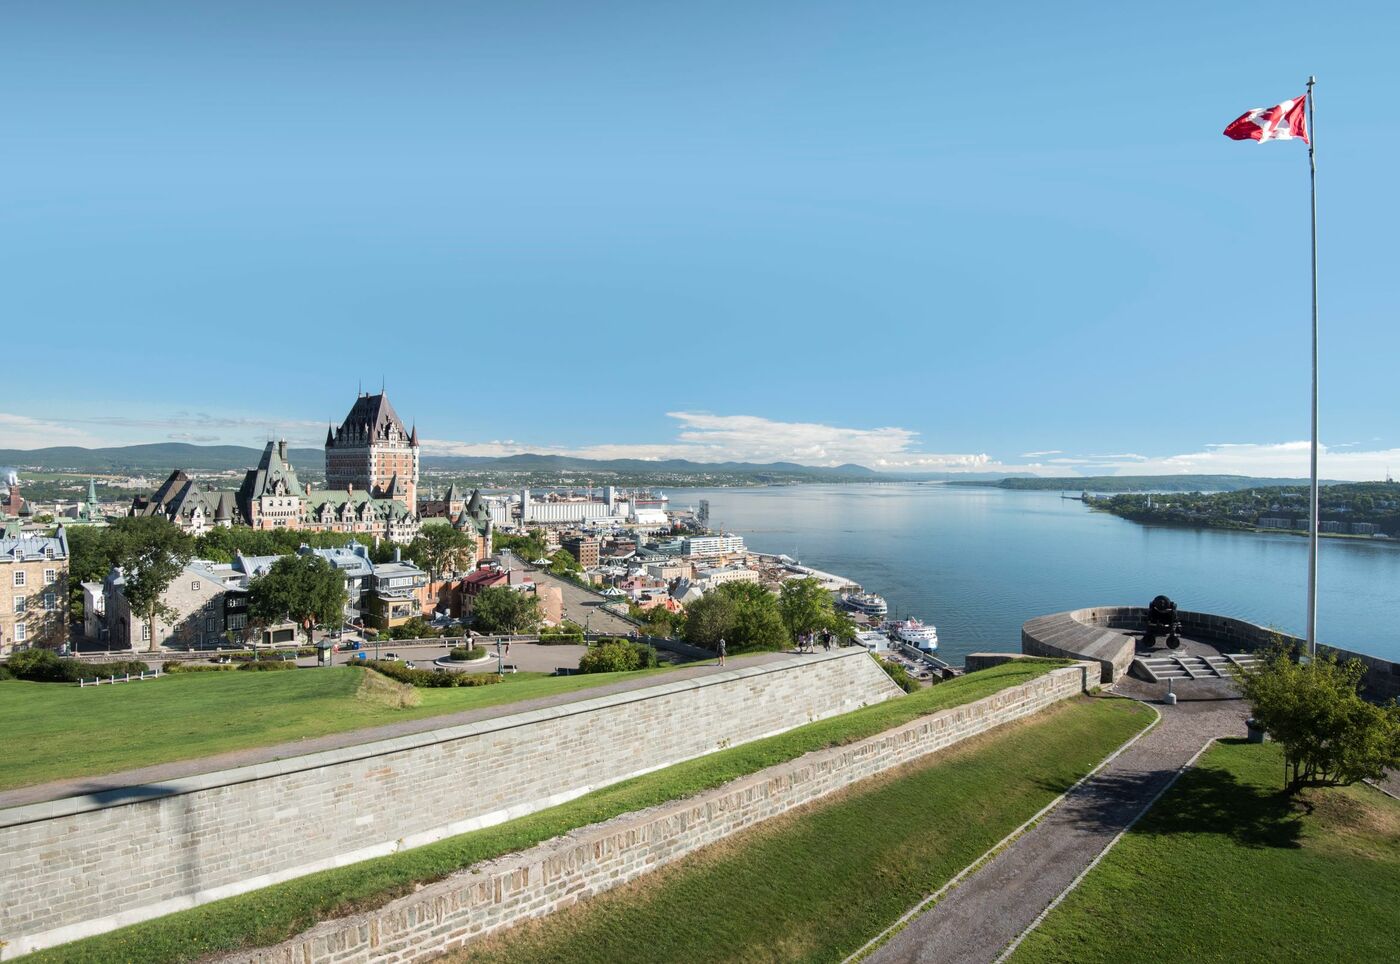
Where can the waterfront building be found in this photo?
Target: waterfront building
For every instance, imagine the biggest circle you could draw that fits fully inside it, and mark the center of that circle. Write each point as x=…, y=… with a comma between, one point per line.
x=712, y=577
x=709, y=547
x=33, y=590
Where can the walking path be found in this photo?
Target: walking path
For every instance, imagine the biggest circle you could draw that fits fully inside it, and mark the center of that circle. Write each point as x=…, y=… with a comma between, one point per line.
x=161, y=772
x=984, y=913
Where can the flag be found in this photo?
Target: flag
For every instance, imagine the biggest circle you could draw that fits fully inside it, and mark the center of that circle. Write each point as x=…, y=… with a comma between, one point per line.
x=1282, y=122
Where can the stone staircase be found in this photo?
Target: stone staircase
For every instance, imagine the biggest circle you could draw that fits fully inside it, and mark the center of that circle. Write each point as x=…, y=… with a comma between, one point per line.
x=1159, y=669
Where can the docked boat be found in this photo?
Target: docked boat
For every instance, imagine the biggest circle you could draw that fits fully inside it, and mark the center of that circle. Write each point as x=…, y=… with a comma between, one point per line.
x=915, y=633
x=865, y=602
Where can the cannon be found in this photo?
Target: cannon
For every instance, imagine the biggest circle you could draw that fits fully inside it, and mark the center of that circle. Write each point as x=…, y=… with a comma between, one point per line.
x=1162, y=621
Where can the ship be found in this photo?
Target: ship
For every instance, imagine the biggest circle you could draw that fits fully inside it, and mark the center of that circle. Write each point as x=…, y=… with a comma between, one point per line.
x=865, y=602
x=914, y=633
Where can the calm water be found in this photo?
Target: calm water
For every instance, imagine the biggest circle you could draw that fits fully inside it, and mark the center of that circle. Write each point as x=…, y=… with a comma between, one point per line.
x=979, y=562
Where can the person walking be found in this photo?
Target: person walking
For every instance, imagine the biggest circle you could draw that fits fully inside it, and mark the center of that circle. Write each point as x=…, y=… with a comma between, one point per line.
x=722, y=650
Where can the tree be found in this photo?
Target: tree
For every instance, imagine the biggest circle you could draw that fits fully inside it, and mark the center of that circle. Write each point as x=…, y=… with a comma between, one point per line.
x=744, y=614
x=441, y=549
x=806, y=607
x=1330, y=736
x=151, y=552
x=616, y=656
x=502, y=611
x=305, y=589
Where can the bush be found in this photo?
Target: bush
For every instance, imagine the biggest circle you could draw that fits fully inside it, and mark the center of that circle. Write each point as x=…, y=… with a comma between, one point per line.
x=462, y=654
x=415, y=628
x=427, y=678
x=262, y=667
x=561, y=639
x=617, y=656
x=46, y=666
x=899, y=674
x=5, y=673
x=176, y=666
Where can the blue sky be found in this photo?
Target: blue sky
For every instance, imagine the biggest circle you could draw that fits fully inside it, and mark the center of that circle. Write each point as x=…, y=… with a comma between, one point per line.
x=911, y=235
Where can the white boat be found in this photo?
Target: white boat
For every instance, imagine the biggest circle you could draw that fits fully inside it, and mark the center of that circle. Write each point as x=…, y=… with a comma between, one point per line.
x=865, y=602
x=914, y=633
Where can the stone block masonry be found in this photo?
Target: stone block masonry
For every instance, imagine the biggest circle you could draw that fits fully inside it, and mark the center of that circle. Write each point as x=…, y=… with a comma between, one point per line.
x=78, y=866
x=588, y=861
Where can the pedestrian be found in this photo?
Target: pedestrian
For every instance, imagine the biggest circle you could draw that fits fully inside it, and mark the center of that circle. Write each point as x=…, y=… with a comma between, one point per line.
x=722, y=650
x=826, y=640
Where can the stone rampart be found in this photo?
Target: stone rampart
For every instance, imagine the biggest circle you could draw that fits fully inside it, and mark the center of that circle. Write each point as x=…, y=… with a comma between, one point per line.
x=588, y=861
x=82, y=865
x=1101, y=634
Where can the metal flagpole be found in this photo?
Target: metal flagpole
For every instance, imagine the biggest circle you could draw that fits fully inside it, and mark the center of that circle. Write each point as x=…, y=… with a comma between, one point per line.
x=1313, y=506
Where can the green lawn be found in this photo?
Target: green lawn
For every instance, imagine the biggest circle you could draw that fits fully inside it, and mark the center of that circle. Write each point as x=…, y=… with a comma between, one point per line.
x=818, y=884
x=55, y=731
x=1227, y=868
x=266, y=916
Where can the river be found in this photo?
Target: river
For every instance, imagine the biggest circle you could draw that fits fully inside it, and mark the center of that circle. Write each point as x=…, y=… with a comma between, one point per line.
x=978, y=562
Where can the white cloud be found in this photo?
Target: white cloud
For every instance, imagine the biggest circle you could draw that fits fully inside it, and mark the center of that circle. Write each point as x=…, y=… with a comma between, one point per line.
x=24, y=432
x=1276, y=459
x=1040, y=455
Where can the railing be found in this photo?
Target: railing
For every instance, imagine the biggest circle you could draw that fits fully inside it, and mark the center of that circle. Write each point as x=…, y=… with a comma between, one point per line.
x=124, y=678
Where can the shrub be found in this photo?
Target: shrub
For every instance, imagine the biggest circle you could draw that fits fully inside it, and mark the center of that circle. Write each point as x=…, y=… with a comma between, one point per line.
x=46, y=666
x=427, y=678
x=561, y=638
x=5, y=673
x=462, y=654
x=262, y=667
x=176, y=666
x=899, y=674
x=415, y=628
x=617, y=656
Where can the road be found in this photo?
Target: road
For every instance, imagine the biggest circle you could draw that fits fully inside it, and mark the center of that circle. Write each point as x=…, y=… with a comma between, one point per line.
x=580, y=605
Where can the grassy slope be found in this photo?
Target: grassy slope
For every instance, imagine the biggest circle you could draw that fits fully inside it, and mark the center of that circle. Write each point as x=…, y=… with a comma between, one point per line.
x=54, y=731
x=819, y=883
x=1227, y=868
x=275, y=913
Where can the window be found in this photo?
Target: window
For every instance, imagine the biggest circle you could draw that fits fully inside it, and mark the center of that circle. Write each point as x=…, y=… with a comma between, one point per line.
x=210, y=625
x=145, y=632
x=194, y=586
x=19, y=577
x=50, y=575
x=21, y=603
x=48, y=552
x=21, y=632
x=50, y=601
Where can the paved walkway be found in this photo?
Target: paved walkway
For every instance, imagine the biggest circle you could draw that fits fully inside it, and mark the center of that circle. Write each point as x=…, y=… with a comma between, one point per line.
x=144, y=776
x=982, y=915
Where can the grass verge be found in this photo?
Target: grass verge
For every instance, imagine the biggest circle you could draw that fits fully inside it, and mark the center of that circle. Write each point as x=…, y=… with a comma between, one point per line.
x=55, y=731
x=273, y=914
x=1226, y=867
x=817, y=884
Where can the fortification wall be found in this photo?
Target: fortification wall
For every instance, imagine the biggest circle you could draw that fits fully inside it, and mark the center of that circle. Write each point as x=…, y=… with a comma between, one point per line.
x=559, y=872
x=83, y=865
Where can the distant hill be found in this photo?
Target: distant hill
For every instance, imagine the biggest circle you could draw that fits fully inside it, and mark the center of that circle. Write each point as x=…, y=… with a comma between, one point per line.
x=159, y=457
x=1141, y=483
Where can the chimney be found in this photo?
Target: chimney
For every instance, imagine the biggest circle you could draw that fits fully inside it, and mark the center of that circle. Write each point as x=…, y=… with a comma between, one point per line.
x=398, y=554
x=282, y=450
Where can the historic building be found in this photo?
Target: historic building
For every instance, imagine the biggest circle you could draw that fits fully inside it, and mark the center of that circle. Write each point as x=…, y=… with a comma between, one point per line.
x=33, y=591
x=183, y=501
x=372, y=451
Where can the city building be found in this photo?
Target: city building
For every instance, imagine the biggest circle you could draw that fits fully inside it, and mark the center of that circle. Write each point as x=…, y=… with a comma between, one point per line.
x=711, y=577
x=395, y=595
x=1364, y=529
x=1274, y=522
x=373, y=452
x=709, y=547
x=194, y=508
x=583, y=548
x=33, y=590
x=207, y=606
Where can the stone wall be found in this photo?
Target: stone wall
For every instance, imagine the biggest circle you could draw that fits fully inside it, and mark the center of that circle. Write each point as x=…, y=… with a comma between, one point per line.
x=83, y=865
x=588, y=861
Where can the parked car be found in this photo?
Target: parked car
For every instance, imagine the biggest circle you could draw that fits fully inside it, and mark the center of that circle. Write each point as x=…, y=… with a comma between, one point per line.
x=391, y=656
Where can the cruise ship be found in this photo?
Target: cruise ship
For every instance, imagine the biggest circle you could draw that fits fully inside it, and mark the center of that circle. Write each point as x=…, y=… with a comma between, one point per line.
x=865, y=602
x=914, y=633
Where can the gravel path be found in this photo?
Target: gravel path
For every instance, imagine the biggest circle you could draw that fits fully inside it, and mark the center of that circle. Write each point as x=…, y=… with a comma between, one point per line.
x=982, y=915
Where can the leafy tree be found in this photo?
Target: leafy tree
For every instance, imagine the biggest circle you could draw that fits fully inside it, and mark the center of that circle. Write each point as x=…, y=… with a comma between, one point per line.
x=744, y=614
x=528, y=547
x=806, y=607
x=899, y=674
x=151, y=552
x=502, y=611
x=441, y=549
x=1330, y=736
x=562, y=563
x=305, y=589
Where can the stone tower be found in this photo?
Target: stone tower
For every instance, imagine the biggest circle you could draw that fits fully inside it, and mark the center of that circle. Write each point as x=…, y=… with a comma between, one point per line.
x=372, y=451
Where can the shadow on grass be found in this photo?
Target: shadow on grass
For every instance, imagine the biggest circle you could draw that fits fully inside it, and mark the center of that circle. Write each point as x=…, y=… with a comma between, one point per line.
x=1203, y=801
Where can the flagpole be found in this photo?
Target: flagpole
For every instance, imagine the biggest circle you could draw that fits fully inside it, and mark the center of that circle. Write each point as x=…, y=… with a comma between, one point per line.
x=1313, y=499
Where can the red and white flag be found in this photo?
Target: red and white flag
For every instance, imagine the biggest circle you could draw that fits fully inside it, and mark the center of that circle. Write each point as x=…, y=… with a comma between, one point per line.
x=1282, y=122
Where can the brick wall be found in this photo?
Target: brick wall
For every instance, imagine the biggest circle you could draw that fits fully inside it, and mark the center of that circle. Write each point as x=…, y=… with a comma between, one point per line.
x=83, y=865
x=590, y=860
